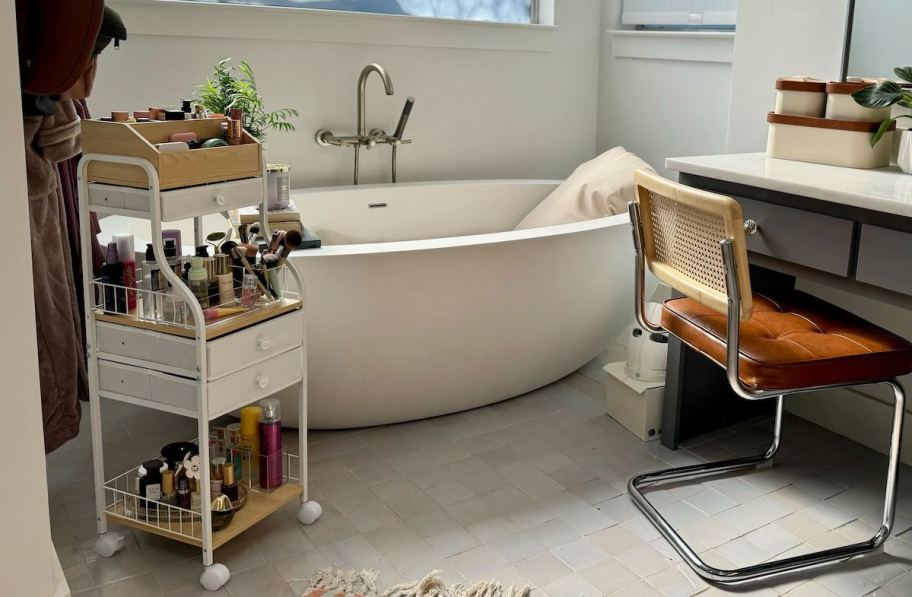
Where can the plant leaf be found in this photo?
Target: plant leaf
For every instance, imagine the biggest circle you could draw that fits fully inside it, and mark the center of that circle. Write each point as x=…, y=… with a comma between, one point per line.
x=881, y=95
x=904, y=73
x=882, y=130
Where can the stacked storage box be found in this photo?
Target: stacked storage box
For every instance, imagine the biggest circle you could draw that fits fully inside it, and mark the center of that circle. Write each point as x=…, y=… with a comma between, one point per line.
x=820, y=122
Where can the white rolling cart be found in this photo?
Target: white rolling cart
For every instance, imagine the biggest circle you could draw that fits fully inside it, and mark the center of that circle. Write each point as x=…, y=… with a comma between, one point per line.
x=187, y=367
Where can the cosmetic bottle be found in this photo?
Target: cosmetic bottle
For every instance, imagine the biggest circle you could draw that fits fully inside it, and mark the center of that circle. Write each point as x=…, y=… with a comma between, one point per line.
x=229, y=482
x=183, y=493
x=150, y=486
x=153, y=282
x=186, y=108
x=198, y=281
x=209, y=264
x=233, y=444
x=140, y=473
x=215, y=477
x=112, y=273
x=124, y=242
x=249, y=291
x=175, y=234
x=270, y=443
x=250, y=440
x=167, y=486
x=174, y=310
x=224, y=279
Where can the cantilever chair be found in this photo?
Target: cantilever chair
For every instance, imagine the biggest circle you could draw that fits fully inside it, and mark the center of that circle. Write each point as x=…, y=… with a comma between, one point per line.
x=770, y=346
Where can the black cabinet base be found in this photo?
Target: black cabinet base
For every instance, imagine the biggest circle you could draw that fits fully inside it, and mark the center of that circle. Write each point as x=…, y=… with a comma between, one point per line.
x=698, y=398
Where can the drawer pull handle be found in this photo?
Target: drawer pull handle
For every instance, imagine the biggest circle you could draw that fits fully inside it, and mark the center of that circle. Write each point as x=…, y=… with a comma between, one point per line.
x=220, y=199
x=751, y=227
x=262, y=381
x=264, y=343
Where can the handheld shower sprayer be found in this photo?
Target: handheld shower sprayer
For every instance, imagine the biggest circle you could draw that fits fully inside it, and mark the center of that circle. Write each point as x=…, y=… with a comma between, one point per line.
x=403, y=119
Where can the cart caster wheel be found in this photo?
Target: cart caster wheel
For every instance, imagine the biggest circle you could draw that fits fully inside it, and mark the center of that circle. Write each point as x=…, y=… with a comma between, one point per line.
x=309, y=512
x=108, y=544
x=214, y=577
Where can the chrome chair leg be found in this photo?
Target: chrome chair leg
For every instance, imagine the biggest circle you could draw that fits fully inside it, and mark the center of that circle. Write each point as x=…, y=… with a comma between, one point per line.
x=785, y=565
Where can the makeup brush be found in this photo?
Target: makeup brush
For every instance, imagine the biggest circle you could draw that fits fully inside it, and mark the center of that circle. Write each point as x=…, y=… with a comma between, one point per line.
x=277, y=236
x=253, y=232
x=273, y=276
x=236, y=253
x=291, y=241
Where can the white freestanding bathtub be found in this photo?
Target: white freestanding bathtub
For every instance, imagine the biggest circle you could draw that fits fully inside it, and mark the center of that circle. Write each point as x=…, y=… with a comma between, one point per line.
x=425, y=301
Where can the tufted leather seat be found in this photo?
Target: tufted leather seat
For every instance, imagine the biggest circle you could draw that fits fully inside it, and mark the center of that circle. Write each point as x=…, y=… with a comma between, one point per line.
x=793, y=340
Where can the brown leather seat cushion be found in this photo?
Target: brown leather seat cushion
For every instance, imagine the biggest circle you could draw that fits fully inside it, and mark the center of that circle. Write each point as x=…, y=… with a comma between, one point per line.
x=793, y=340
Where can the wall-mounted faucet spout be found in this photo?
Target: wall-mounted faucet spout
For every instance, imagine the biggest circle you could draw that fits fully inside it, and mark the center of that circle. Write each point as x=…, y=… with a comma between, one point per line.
x=373, y=67
x=325, y=138
x=362, y=85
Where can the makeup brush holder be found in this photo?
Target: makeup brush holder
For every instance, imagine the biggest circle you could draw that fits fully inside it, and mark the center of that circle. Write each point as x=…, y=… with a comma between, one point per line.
x=262, y=473
x=168, y=312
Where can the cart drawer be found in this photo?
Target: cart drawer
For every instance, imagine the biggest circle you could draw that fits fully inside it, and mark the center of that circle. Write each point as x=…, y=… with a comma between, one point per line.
x=797, y=236
x=119, y=342
x=183, y=203
x=103, y=195
x=255, y=382
x=147, y=385
x=241, y=349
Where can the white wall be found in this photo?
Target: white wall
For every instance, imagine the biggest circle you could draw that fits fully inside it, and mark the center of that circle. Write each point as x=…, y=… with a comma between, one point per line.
x=776, y=38
x=662, y=95
x=28, y=562
x=877, y=27
x=479, y=112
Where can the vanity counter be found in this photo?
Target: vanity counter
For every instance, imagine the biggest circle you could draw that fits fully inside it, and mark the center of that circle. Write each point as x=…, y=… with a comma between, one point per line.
x=884, y=190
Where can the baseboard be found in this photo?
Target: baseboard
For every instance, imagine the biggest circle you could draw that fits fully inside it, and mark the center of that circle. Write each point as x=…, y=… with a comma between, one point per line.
x=863, y=418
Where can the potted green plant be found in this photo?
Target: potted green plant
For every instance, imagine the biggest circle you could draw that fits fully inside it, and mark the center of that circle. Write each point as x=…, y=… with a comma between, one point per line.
x=886, y=94
x=234, y=86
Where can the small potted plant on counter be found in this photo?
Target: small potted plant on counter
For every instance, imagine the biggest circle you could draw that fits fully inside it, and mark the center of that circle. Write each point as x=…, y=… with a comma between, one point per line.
x=886, y=94
x=234, y=87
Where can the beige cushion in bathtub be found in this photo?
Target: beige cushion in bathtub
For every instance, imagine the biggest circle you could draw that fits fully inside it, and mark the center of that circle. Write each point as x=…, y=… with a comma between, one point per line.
x=601, y=187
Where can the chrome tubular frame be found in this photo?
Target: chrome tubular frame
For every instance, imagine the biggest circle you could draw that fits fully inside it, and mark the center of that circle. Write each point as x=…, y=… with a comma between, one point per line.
x=764, y=570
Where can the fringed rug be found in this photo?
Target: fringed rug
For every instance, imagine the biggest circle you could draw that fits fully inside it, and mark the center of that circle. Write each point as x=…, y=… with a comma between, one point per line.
x=329, y=582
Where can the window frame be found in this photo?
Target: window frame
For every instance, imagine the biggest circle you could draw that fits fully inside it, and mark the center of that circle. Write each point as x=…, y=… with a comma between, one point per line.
x=182, y=18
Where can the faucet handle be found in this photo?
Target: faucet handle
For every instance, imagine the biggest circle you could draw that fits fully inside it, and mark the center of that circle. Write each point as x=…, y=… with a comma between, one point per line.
x=375, y=136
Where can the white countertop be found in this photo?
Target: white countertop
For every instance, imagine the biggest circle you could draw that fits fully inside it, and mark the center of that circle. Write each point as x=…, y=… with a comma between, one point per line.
x=887, y=190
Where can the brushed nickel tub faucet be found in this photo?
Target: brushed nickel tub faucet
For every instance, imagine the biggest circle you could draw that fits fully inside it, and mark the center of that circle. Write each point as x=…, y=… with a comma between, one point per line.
x=325, y=138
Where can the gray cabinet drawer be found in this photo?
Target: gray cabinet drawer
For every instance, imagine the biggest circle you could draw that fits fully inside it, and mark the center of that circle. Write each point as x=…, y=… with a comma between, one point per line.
x=881, y=253
x=797, y=236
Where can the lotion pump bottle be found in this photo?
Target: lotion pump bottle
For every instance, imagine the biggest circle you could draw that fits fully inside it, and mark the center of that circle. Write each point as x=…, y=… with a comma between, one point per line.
x=198, y=281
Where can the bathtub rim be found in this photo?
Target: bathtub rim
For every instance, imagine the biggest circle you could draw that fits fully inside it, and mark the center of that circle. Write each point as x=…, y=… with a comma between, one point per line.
x=486, y=238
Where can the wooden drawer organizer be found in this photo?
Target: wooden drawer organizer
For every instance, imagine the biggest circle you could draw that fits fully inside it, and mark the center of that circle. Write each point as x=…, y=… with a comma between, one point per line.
x=175, y=169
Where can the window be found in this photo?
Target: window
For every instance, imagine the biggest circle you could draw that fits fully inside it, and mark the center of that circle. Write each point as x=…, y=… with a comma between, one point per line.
x=680, y=14
x=501, y=11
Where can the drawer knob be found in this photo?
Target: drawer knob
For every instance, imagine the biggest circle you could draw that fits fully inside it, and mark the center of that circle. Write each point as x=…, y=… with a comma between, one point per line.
x=751, y=227
x=220, y=199
x=263, y=342
x=262, y=381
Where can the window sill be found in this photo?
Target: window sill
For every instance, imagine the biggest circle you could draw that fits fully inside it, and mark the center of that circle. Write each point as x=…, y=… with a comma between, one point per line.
x=688, y=46
x=230, y=21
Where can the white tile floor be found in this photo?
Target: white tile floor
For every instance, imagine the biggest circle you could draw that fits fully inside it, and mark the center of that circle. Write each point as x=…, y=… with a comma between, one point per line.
x=531, y=490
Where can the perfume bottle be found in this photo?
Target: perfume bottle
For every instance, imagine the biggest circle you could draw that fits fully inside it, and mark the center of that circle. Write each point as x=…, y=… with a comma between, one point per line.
x=270, y=443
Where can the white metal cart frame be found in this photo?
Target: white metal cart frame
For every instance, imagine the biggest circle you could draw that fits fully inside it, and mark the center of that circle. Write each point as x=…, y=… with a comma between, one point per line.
x=214, y=575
